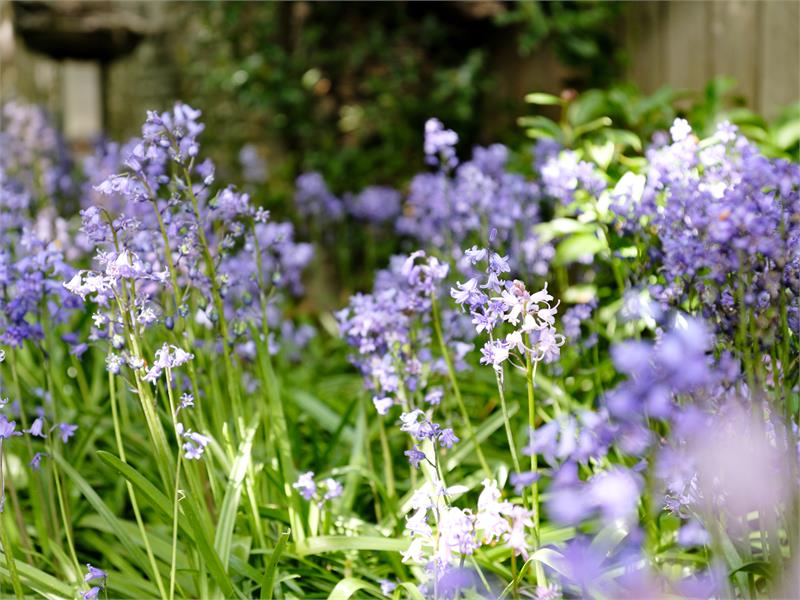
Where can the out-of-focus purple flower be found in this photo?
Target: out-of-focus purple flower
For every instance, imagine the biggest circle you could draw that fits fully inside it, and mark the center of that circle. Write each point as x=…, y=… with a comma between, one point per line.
x=66, y=431
x=375, y=204
x=333, y=489
x=520, y=481
x=693, y=534
x=415, y=456
x=564, y=175
x=387, y=587
x=254, y=167
x=440, y=144
x=36, y=461
x=94, y=573
x=550, y=591
x=306, y=485
x=312, y=198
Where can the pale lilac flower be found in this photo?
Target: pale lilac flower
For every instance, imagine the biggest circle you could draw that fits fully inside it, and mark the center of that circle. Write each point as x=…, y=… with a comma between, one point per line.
x=382, y=404
x=195, y=445
x=66, y=431
x=387, y=587
x=306, y=485
x=92, y=594
x=36, y=461
x=415, y=456
x=333, y=489
x=94, y=573
x=36, y=428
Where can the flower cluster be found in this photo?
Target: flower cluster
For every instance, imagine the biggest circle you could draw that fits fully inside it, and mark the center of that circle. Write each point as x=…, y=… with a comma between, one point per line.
x=163, y=240
x=374, y=204
x=33, y=153
x=564, y=176
x=481, y=198
x=96, y=578
x=442, y=535
x=493, y=302
x=724, y=219
x=325, y=490
x=391, y=331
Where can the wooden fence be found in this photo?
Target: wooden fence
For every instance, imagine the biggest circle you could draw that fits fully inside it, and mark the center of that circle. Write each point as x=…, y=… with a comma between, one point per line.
x=685, y=44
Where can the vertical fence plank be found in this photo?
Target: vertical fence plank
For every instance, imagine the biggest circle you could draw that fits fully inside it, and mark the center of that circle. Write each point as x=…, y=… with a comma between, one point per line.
x=686, y=29
x=735, y=44
x=779, y=83
x=644, y=33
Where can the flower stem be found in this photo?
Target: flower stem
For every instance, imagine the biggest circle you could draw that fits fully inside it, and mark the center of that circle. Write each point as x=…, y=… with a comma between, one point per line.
x=131, y=493
x=12, y=567
x=451, y=372
x=232, y=377
x=531, y=376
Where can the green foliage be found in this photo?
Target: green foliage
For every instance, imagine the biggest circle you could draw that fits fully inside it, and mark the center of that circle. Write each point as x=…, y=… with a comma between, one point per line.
x=617, y=123
x=344, y=88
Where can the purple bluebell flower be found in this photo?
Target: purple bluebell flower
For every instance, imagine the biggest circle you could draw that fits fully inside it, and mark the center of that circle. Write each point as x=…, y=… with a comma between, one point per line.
x=305, y=485
x=415, y=456
x=94, y=573
x=37, y=428
x=93, y=593
x=312, y=198
x=440, y=144
x=375, y=204
x=387, y=587
x=66, y=431
x=7, y=428
x=36, y=461
x=333, y=489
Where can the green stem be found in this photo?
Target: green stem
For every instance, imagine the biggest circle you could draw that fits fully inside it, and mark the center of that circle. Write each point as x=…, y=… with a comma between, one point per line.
x=131, y=494
x=388, y=466
x=451, y=372
x=232, y=377
x=530, y=378
x=512, y=446
x=12, y=567
x=176, y=494
x=67, y=525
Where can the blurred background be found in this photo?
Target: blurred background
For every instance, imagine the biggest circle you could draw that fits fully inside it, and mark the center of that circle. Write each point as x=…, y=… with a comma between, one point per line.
x=344, y=88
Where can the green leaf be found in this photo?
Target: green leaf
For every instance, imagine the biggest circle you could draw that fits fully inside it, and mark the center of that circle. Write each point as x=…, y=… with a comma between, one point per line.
x=561, y=226
x=550, y=128
x=624, y=138
x=787, y=135
x=150, y=493
x=269, y=572
x=591, y=126
x=37, y=580
x=757, y=567
x=412, y=589
x=349, y=586
x=601, y=154
x=466, y=447
x=339, y=543
x=230, y=504
x=103, y=510
x=580, y=294
x=190, y=523
x=589, y=106
x=542, y=98
x=312, y=406
x=578, y=246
